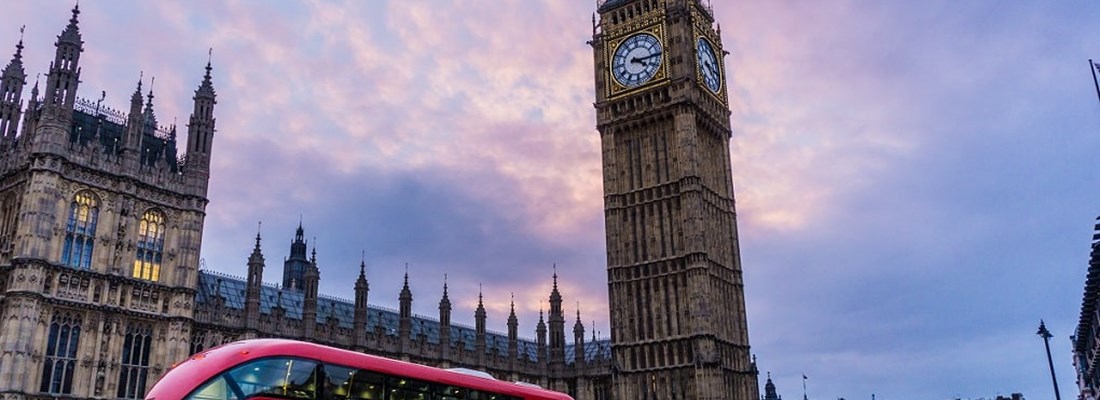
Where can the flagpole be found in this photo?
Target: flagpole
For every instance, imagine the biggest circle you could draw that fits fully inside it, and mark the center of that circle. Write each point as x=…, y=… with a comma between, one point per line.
x=1092, y=67
x=804, y=396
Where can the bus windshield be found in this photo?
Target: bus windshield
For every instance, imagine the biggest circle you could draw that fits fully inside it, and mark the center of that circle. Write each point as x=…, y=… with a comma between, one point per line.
x=296, y=378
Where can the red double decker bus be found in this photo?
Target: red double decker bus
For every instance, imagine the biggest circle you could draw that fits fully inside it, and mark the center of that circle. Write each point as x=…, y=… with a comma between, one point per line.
x=288, y=369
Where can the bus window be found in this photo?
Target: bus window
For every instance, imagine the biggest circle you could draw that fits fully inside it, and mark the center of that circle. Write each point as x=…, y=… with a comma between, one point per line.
x=337, y=383
x=216, y=389
x=407, y=389
x=284, y=377
x=479, y=395
x=450, y=392
x=366, y=385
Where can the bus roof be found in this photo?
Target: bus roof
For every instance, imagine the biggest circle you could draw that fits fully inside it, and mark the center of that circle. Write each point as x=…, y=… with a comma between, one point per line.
x=189, y=374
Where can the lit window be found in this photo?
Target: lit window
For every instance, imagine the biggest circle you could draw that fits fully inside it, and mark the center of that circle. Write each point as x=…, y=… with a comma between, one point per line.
x=80, y=231
x=150, y=246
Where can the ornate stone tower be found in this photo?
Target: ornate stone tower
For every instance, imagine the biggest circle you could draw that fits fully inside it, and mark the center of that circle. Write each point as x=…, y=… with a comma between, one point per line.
x=100, y=231
x=678, y=325
x=295, y=266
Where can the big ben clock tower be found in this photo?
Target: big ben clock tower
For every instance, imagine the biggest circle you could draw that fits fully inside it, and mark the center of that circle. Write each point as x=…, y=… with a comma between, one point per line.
x=678, y=325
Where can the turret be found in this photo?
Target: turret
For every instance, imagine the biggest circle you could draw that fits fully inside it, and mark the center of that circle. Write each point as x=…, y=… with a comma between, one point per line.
x=479, y=328
x=445, y=322
x=309, y=303
x=359, y=321
x=11, y=92
x=132, y=143
x=148, y=128
x=557, y=325
x=30, y=116
x=64, y=76
x=769, y=390
x=405, y=309
x=255, y=281
x=540, y=337
x=578, y=340
x=200, y=130
x=513, y=331
x=295, y=266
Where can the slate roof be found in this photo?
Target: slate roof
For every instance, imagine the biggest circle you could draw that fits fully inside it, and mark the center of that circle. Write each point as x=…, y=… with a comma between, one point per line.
x=232, y=291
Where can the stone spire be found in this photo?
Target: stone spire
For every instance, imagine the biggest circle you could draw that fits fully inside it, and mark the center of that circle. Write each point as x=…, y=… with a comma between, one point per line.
x=256, y=264
x=361, y=286
x=445, y=322
x=148, y=118
x=71, y=34
x=309, y=302
x=30, y=116
x=557, y=323
x=479, y=315
x=578, y=339
x=769, y=389
x=479, y=329
x=405, y=298
x=513, y=331
x=200, y=131
x=444, y=307
x=405, y=318
x=359, y=320
x=540, y=337
x=135, y=124
x=11, y=92
x=64, y=76
x=513, y=321
x=255, y=281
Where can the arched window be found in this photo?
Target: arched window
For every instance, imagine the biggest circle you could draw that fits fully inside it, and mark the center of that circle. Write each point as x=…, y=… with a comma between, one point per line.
x=133, y=375
x=80, y=231
x=150, y=246
x=60, y=361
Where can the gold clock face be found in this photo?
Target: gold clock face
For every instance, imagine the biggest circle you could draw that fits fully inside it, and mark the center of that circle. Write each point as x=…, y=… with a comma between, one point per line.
x=636, y=60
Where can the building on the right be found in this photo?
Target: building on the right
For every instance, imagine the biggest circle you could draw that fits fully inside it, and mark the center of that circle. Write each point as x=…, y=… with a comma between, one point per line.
x=678, y=324
x=1086, y=346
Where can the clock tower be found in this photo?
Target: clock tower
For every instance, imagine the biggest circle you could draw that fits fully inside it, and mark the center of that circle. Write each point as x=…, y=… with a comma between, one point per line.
x=678, y=324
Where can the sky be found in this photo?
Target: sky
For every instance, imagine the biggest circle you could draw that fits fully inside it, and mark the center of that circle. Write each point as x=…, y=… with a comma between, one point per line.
x=916, y=182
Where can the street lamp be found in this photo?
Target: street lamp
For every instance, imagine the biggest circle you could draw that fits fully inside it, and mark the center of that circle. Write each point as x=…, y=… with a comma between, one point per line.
x=1045, y=334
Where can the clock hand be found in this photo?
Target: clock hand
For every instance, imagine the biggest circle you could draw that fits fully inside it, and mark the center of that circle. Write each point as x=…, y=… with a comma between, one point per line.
x=640, y=60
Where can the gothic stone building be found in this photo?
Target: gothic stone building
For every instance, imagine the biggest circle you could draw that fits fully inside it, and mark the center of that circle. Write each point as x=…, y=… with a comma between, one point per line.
x=230, y=308
x=101, y=227
x=100, y=232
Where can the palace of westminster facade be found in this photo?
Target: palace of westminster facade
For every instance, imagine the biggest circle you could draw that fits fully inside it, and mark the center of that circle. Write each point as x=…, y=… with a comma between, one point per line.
x=101, y=223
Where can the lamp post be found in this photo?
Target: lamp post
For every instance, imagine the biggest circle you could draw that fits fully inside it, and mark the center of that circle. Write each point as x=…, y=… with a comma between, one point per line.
x=1045, y=334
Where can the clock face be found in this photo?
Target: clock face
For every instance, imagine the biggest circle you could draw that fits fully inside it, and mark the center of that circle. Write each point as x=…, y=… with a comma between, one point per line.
x=636, y=60
x=708, y=65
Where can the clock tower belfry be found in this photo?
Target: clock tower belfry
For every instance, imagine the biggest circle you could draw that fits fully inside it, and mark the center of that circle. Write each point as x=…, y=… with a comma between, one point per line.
x=678, y=322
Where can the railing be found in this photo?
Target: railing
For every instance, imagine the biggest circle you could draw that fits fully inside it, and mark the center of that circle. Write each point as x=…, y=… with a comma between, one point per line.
x=706, y=7
x=222, y=275
x=96, y=109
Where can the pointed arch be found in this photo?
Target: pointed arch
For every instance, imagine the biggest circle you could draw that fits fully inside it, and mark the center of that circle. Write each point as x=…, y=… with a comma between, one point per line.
x=59, y=363
x=80, y=230
x=150, y=245
x=133, y=375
